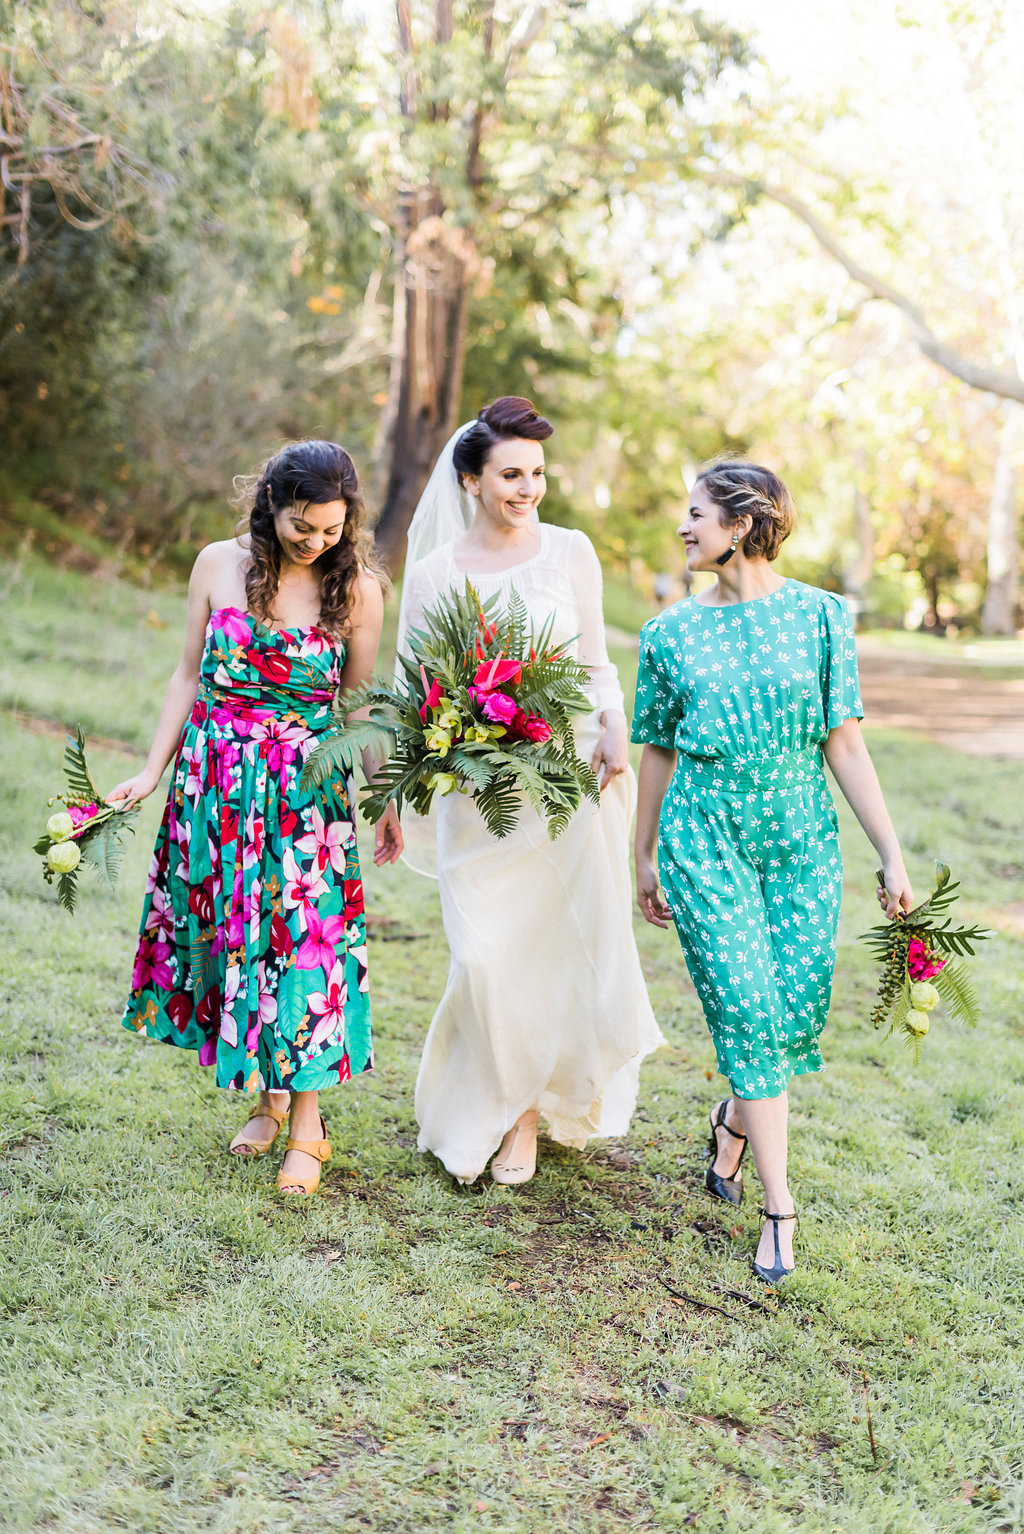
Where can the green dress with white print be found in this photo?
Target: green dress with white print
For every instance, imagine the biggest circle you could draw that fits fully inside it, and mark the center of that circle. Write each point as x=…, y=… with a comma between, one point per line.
x=748, y=845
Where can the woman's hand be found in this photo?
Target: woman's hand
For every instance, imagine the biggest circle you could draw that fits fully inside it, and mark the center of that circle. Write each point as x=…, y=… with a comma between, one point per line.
x=895, y=894
x=611, y=755
x=134, y=790
x=388, y=841
x=648, y=896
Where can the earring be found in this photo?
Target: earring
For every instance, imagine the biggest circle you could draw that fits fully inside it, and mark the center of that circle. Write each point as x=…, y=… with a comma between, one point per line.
x=723, y=559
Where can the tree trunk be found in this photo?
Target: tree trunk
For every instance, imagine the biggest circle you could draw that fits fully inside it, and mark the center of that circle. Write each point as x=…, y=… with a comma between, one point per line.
x=437, y=265
x=861, y=571
x=999, y=615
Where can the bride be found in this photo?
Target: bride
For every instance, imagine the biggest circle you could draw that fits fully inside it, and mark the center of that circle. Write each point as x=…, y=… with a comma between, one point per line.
x=545, y=1013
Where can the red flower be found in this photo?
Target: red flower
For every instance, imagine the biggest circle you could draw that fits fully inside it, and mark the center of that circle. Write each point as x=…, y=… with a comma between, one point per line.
x=494, y=674
x=289, y=820
x=535, y=729
x=432, y=699
x=353, y=898
x=344, y=1069
x=200, y=900
x=208, y=1010
x=280, y=938
x=179, y=1010
x=228, y=826
x=276, y=668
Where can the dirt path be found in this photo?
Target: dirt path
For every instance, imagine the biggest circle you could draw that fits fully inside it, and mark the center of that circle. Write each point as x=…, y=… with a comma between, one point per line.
x=955, y=705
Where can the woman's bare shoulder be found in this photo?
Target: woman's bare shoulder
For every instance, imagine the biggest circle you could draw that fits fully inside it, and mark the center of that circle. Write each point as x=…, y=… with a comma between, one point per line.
x=219, y=570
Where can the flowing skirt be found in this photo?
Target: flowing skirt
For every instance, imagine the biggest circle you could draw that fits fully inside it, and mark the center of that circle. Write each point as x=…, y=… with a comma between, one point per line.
x=545, y=1004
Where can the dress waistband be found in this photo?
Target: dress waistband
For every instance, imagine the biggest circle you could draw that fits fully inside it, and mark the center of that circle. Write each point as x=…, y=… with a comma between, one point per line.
x=752, y=774
x=226, y=709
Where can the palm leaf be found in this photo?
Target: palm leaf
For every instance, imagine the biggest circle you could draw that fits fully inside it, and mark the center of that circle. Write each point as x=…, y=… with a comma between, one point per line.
x=76, y=771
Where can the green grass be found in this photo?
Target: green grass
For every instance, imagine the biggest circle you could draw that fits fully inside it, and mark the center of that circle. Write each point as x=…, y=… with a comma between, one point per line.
x=181, y=1352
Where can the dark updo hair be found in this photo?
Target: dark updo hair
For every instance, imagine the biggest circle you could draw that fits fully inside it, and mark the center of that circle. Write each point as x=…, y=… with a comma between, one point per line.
x=311, y=473
x=746, y=489
x=508, y=418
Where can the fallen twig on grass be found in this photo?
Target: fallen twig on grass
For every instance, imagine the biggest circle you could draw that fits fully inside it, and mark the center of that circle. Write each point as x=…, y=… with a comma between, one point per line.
x=871, y=1425
x=688, y=1299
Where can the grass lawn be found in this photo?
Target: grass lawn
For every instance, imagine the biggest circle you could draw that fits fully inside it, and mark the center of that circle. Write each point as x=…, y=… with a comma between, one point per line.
x=184, y=1352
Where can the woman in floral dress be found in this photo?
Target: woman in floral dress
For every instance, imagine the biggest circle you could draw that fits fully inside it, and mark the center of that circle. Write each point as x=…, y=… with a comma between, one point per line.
x=743, y=692
x=252, y=948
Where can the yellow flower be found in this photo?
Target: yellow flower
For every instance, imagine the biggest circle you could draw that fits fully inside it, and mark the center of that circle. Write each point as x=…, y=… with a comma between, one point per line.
x=450, y=721
x=918, y=1023
x=439, y=740
x=60, y=826
x=923, y=996
x=443, y=782
x=63, y=857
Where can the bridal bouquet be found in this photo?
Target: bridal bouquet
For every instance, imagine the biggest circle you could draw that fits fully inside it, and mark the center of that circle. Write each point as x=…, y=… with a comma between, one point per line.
x=919, y=954
x=485, y=707
x=87, y=831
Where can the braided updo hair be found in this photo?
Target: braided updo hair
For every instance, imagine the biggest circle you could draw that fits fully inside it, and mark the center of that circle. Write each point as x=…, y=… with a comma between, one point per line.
x=741, y=489
x=303, y=474
x=506, y=419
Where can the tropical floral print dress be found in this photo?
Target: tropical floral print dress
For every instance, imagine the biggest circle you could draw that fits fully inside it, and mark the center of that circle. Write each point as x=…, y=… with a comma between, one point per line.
x=748, y=845
x=252, y=947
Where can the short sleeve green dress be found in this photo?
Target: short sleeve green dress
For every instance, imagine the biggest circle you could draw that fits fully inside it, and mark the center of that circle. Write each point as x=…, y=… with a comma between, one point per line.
x=748, y=845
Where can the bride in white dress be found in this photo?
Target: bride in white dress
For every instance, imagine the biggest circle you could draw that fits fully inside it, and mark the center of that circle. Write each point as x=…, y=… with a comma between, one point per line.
x=545, y=1013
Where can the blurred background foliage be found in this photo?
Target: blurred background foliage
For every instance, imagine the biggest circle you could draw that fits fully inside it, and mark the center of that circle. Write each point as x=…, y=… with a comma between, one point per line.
x=226, y=225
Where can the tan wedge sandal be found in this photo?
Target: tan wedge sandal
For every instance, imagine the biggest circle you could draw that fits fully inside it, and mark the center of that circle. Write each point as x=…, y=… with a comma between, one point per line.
x=321, y=1149
x=243, y=1146
x=516, y=1159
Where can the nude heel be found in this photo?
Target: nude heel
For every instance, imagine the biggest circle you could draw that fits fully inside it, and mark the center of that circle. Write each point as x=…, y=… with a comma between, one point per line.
x=518, y=1162
x=321, y=1149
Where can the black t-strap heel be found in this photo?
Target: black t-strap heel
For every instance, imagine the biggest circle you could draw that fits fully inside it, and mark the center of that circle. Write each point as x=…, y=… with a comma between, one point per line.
x=776, y=1273
x=728, y=1188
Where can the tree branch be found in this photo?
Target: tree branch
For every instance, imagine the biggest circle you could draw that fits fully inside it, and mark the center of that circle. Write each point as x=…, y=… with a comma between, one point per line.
x=992, y=380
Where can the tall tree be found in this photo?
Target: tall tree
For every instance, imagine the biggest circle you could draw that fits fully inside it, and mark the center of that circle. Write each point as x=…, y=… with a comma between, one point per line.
x=512, y=123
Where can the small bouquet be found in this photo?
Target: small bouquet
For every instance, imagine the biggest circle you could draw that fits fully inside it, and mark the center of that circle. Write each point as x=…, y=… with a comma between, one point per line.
x=485, y=708
x=919, y=964
x=87, y=831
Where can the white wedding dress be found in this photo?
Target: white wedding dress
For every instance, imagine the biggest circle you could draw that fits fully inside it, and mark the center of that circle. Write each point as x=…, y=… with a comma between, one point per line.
x=545, y=1004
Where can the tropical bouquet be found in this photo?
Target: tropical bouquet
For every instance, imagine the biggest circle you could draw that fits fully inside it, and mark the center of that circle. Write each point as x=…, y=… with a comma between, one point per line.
x=919, y=953
x=87, y=831
x=482, y=705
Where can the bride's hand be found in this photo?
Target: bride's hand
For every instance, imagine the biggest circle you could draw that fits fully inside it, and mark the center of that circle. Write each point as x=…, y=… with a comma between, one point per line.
x=388, y=841
x=611, y=755
x=133, y=790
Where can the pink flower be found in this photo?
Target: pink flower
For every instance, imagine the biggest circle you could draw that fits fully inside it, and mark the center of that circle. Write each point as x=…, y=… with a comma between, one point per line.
x=329, y=1006
x=327, y=843
x=278, y=743
x=497, y=673
x=235, y=625
x=80, y=813
x=323, y=934
x=151, y=964
x=500, y=708
x=922, y=964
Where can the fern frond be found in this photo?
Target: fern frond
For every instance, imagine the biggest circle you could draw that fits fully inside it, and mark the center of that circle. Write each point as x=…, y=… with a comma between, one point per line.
x=67, y=891
x=954, y=986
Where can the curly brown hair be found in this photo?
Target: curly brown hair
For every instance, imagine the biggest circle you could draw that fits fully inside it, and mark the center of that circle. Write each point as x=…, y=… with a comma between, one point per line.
x=304, y=474
x=747, y=489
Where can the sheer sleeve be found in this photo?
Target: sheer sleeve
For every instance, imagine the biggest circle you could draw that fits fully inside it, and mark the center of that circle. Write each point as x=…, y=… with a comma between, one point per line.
x=419, y=589
x=585, y=573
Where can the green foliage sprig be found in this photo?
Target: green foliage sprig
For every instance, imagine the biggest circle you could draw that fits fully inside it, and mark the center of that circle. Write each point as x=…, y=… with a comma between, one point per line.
x=88, y=831
x=919, y=953
x=436, y=735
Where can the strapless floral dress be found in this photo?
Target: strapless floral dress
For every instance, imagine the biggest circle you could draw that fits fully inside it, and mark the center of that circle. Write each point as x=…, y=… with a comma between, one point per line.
x=252, y=946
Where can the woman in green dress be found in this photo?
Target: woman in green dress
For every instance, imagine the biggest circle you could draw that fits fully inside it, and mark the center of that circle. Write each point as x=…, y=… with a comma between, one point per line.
x=744, y=691
x=252, y=949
